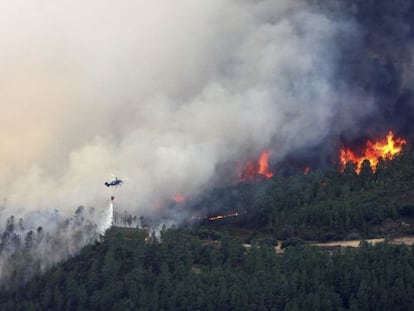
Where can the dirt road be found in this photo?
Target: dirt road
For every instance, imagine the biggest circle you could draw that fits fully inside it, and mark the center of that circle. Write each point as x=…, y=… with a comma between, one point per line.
x=407, y=240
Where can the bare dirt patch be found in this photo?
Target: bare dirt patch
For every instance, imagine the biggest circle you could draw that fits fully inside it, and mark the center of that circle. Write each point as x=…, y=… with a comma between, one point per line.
x=406, y=240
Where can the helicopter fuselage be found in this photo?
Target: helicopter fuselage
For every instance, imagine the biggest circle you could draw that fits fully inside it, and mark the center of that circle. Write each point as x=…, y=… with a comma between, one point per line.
x=114, y=183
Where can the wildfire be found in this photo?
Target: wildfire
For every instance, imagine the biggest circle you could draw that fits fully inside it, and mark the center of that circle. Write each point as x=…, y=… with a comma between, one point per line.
x=307, y=170
x=264, y=165
x=179, y=198
x=256, y=170
x=218, y=217
x=386, y=148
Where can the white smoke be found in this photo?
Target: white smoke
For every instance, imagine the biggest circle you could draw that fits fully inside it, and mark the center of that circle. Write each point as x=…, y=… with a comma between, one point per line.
x=159, y=91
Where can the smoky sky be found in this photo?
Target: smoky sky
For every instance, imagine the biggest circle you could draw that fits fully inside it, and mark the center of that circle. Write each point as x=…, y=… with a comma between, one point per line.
x=163, y=92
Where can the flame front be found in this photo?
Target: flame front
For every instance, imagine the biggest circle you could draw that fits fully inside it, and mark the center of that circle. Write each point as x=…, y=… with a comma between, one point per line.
x=218, y=217
x=386, y=148
x=256, y=170
x=264, y=165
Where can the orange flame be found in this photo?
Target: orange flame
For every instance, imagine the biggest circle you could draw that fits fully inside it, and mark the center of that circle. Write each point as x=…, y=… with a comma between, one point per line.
x=264, y=165
x=386, y=148
x=218, y=217
x=256, y=170
x=179, y=198
x=234, y=214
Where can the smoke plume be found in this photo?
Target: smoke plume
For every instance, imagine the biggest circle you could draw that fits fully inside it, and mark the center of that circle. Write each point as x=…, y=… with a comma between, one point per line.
x=164, y=92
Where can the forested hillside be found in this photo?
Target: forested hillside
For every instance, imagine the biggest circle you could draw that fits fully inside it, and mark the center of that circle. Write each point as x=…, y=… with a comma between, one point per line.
x=246, y=124
x=186, y=273
x=204, y=265
x=323, y=205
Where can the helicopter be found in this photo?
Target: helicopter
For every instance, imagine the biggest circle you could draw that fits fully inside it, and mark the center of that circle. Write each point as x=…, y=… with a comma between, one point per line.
x=116, y=182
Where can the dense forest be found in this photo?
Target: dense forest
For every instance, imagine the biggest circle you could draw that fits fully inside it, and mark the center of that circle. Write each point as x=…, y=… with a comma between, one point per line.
x=323, y=205
x=204, y=265
x=126, y=272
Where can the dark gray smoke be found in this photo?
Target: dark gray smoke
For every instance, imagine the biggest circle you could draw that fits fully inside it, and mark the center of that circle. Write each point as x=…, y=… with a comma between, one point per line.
x=379, y=63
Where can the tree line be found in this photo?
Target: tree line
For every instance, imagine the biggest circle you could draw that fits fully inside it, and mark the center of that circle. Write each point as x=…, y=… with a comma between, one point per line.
x=324, y=204
x=185, y=273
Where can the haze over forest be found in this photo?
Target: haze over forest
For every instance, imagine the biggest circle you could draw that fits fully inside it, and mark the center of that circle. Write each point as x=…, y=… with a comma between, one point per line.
x=177, y=97
x=169, y=93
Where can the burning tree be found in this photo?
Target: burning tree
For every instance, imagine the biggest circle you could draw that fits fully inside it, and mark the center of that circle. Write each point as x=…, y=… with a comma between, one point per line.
x=257, y=170
x=386, y=148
